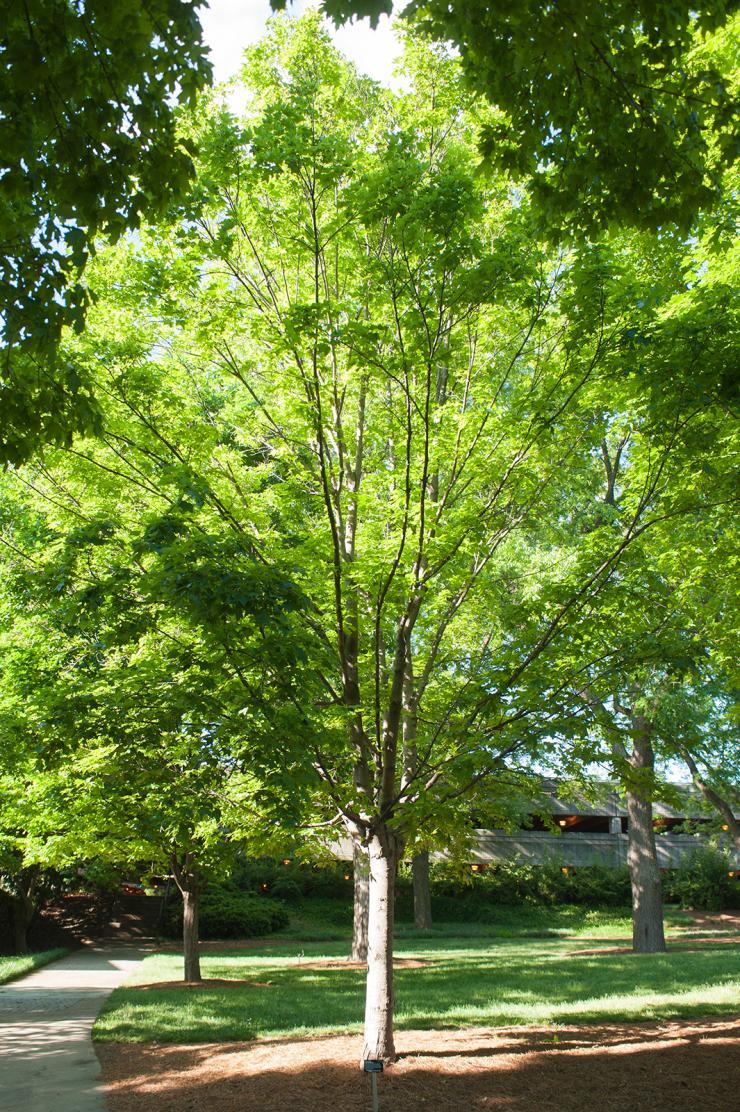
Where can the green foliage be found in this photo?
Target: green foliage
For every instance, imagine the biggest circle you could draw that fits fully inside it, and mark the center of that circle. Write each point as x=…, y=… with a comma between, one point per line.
x=88, y=144
x=622, y=111
x=414, y=392
x=295, y=880
x=100, y=877
x=226, y=913
x=704, y=881
x=516, y=884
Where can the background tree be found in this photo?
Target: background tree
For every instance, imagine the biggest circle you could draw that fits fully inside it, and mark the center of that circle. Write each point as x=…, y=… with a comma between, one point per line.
x=649, y=695
x=617, y=113
x=711, y=751
x=143, y=687
x=87, y=101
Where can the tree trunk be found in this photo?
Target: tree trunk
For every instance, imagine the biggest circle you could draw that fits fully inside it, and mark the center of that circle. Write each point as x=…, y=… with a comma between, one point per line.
x=378, y=1038
x=713, y=797
x=420, y=863
x=21, y=923
x=422, y=894
x=361, y=899
x=188, y=880
x=642, y=858
x=23, y=907
x=190, y=941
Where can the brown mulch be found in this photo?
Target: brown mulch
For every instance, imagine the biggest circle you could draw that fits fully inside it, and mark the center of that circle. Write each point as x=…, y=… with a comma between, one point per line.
x=207, y=982
x=691, y=947
x=654, y=1066
x=713, y=920
x=345, y=963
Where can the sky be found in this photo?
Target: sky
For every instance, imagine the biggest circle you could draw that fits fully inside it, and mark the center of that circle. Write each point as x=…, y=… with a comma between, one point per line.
x=231, y=25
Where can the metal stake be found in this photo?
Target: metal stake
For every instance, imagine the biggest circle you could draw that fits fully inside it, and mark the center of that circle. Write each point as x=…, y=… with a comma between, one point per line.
x=374, y=1081
x=373, y=1067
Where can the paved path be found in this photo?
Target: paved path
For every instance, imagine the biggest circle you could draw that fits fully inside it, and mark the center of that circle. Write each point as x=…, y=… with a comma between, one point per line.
x=47, y=1061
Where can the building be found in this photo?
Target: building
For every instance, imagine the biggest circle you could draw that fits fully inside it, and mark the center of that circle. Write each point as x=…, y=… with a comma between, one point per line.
x=593, y=833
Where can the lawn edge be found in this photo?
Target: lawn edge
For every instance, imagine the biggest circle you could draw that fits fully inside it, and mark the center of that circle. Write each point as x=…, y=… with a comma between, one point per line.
x=37, y=961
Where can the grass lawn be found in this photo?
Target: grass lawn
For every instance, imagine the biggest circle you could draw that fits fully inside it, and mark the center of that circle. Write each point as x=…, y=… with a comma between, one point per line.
x=325, y=920
x=10, y=968
x=497, y=974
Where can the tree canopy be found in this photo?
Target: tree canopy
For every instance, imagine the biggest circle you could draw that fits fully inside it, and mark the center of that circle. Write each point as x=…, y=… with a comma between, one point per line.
x=618, y=115
x=87, y=141
x=393, y=497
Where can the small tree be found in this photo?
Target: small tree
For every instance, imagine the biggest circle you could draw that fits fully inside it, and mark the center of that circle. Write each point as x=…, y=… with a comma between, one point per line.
x=142, y=686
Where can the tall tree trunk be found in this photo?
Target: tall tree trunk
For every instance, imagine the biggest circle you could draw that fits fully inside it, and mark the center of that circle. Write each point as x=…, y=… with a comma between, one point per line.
x=23, y=907
x=647, y=902
x=422, y=894
x=420, y=863
x=190, y=934
x=361, y=866
x=188, y=881
x=378, y=1038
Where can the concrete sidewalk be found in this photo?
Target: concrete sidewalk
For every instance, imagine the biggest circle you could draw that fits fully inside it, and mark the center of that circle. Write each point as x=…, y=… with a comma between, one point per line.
x=47, y=1061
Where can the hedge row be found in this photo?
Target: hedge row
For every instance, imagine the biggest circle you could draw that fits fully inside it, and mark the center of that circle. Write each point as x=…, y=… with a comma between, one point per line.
x=226, y=913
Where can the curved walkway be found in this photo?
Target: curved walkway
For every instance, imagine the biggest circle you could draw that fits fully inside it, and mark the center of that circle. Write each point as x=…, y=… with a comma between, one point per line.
x=47, y=1061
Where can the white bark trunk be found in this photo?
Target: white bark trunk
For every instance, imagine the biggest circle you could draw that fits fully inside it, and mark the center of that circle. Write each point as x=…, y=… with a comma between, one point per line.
x=379, y=1000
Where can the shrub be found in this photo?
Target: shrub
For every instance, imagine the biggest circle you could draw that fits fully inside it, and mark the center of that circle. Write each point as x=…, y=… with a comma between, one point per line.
x=513, y=884
x=597, y=885
x=267, y=874
x=285, y=889
x=226, y=913
x=703, y=882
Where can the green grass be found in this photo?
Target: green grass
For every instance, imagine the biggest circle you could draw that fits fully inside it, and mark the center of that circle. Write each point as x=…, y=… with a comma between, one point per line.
x=331, y=921
x=10, y=968
x=472, y=979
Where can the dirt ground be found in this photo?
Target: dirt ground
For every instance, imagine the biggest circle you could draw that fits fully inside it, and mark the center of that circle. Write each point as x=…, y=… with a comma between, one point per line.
x=653, y=1066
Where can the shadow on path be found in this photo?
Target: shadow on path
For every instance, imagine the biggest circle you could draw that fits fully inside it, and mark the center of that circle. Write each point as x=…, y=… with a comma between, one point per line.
x=47, y=1062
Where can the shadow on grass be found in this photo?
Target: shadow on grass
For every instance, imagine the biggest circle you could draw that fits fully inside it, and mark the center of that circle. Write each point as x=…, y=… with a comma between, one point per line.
x=510, y=986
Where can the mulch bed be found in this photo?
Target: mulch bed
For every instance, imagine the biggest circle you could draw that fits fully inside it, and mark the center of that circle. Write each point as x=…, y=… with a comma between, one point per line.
x=207, y=982
x=655, y=1066
x=692, y=947
x=713, y=920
